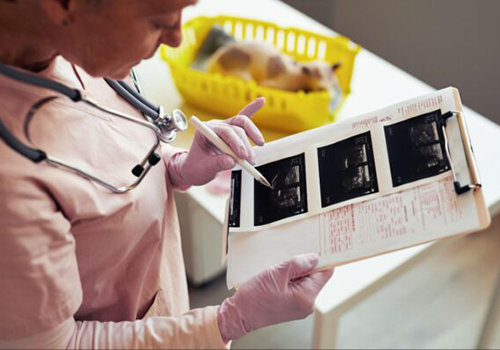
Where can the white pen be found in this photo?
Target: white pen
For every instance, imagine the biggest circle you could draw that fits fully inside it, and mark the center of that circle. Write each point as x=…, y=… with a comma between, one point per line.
x=217, y=141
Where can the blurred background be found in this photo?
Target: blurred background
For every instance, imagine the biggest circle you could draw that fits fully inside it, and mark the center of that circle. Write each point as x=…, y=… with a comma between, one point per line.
x=443, y=43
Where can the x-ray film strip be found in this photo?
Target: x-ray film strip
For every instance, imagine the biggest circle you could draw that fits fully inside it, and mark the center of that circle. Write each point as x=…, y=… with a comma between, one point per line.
x=417, y=149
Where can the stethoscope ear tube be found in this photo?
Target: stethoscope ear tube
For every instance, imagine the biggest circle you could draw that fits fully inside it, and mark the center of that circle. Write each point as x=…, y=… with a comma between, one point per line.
x=138, y=96
x=133, y=99
x=33, y=154
x=164, y=125
x=29, y=79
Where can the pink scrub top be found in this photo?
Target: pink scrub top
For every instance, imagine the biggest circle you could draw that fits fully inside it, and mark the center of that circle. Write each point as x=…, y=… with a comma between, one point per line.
x=96, y=269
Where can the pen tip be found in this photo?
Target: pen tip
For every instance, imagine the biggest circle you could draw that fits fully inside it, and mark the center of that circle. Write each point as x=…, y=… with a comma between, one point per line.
x=265, y=183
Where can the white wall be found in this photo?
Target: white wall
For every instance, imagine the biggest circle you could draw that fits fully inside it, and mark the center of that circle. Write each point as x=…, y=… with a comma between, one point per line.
x=442, y=42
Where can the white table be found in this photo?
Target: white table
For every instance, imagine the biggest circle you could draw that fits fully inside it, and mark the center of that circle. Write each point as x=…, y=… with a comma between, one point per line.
x=376, y=84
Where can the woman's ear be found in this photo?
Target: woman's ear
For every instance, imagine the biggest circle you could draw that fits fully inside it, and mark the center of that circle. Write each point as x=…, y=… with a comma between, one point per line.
x=59, y=11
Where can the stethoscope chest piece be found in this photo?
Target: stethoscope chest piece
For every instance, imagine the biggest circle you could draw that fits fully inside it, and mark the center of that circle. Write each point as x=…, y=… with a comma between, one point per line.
x=169, y=125
x=164, y=125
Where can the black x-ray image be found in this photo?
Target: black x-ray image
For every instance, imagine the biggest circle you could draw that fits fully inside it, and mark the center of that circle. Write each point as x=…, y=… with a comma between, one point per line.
x=235, y=201
x=347, y=169
x=289, y=194
x=416, y=148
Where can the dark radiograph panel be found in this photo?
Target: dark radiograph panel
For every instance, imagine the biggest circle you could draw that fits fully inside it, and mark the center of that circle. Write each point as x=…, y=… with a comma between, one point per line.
x=235, y=201
x=289, y=194
x=423, y=134
x=347, y=169
x=416, y=148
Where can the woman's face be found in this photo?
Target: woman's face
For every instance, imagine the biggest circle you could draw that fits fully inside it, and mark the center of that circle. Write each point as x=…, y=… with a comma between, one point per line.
x=108, y=37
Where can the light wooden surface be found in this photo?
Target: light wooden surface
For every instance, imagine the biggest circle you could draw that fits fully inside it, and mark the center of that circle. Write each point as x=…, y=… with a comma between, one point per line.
x=439, y=304
x=491, y=335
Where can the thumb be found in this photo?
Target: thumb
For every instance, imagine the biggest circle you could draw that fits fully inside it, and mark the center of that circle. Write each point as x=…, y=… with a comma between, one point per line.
x=220, y=163
x=316, y=281
x=300, y=265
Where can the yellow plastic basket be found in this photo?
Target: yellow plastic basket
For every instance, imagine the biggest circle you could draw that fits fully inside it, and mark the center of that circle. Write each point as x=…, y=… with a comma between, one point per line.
x=226, y=95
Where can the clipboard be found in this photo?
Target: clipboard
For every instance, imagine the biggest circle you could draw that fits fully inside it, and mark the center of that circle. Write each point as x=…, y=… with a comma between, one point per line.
x=248, y=252
x=463, y=163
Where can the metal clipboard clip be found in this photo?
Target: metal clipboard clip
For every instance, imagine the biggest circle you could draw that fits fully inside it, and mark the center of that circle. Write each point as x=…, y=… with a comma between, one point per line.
x=460, y=153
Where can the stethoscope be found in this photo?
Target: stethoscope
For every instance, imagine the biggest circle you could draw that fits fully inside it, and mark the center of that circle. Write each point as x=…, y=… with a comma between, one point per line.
x=164, y=125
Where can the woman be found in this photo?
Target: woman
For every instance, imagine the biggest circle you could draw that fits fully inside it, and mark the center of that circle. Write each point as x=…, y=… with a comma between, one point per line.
x=81, y=266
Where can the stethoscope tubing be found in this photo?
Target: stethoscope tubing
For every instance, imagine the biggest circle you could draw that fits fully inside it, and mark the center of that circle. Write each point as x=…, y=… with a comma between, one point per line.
x=137, y=95
x=125, y=91
x=136, y=100
x=29, y=79
x=35, y=155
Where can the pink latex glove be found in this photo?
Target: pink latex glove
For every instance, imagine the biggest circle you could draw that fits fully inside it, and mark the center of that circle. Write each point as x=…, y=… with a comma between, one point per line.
x=278, y=294
x=221, y=185
x=204, y=160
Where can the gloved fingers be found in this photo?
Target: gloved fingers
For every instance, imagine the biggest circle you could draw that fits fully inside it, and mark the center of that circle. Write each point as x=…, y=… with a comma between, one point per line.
x=243, y=121
x=231, y=137
x=204, y=144
x=307, y=288
x=243, y=136
x=253, y=107
x=299, y=265
x=250, y=128
x=222, y=162
x=316, y=280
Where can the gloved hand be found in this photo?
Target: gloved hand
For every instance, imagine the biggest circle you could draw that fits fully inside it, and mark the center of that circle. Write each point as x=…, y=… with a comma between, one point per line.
x=278, y=294
x=204, y=160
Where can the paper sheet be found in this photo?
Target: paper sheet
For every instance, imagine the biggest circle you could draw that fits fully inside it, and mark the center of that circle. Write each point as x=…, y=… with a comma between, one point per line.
x=345, y=163
x=389, y=219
